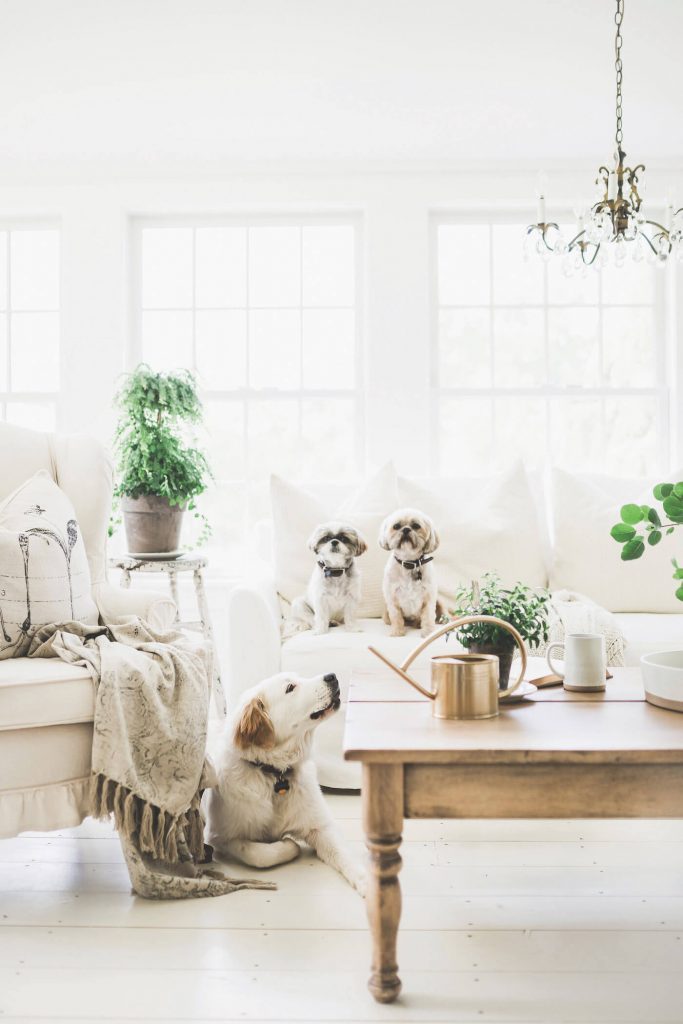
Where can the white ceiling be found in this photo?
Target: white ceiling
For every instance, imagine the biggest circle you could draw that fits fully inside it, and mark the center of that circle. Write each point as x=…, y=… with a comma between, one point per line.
x=155, y=83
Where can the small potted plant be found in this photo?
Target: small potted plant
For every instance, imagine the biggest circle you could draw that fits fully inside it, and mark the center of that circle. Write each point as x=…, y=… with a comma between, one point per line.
x=522, y=607
x=161, y=472
x=641, y=524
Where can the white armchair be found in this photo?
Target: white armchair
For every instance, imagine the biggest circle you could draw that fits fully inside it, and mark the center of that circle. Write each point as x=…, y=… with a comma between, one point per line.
x=47, y=706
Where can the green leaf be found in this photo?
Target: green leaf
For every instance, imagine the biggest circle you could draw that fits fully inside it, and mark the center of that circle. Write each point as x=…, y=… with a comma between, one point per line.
x=674, y=508
x=632, y=549
x=669, y=531
x=653, y=516
x=678, y=575
x=631, y=514
x=654, y=538
x=678, y=490
x=622, y=532
x=662, y=491
x=679, y=593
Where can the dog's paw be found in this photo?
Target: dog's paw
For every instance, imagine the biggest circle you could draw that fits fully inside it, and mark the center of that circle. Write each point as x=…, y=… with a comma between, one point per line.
x=353, y=627
x=320, y=630
x=287, y=849
x=397, y=631
x=427, y=630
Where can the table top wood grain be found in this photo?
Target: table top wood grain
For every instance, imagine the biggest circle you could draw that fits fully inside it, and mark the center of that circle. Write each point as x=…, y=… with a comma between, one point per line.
x=390, y=722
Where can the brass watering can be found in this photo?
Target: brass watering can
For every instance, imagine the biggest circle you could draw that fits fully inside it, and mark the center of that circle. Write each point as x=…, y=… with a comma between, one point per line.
x=464, y=685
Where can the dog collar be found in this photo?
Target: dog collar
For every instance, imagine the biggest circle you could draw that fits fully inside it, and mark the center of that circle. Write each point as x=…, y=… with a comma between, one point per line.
x=329, y=571
x=281, y=775
x=415, y=563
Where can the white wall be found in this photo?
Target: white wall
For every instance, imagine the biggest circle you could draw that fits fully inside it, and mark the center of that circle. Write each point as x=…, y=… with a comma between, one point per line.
x=395, y=205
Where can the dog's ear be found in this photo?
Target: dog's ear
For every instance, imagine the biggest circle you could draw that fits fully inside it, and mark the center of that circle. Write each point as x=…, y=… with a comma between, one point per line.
x=383, y=538
x=360, y=543
x=314, y=540
x=433, y=539
x=255, y=728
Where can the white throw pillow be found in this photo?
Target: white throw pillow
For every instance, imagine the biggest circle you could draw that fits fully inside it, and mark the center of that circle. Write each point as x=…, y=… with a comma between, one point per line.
x=296, y=512
x=44, y=574
x=484, y=524
x=585, y=508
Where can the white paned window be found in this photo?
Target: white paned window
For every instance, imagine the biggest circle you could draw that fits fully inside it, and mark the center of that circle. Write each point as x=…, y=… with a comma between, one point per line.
x=29, y=325
x=266, y=313
x=529, y=362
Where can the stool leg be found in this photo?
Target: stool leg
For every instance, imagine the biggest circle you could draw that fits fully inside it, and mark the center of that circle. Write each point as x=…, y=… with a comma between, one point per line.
x=125, y=578
x=207, y=630
x=173, y=581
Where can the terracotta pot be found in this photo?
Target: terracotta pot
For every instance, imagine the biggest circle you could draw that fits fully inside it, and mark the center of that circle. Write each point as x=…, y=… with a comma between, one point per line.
x=152, y=524
x=504, y=653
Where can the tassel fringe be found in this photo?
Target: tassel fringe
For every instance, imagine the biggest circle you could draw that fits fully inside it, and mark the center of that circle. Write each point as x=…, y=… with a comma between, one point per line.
x=162, y=835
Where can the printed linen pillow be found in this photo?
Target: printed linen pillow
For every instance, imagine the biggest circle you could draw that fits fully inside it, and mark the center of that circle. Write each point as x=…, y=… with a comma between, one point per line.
x=44, y=574
x=296, y=513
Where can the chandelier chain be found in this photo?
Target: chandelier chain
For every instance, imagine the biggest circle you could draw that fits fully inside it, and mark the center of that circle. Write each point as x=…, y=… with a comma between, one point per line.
x=619, y=68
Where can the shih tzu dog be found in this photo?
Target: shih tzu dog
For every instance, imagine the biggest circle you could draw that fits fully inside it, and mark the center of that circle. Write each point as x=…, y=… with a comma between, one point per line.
x=333, y=592
x=409, y=579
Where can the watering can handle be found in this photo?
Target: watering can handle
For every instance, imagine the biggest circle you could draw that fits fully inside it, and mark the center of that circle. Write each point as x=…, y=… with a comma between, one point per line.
x=465, y=620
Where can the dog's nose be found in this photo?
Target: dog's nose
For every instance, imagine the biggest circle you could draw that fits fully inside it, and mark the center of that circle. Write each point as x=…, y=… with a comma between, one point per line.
x=335, y=544
x=406, y=529
x=331, y=679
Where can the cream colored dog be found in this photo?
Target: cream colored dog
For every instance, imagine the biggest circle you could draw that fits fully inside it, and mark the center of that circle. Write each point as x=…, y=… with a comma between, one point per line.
x=409, y=579
x=268, y=799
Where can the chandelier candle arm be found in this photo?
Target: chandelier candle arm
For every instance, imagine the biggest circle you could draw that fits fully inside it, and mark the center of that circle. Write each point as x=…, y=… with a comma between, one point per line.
x=616, y=218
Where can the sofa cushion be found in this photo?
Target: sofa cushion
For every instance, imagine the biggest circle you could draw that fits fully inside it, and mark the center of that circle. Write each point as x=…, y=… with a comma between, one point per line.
x=587, y=559
x=44, y=574
x=44, y=691
x=484, y=524
x=645, y=633
x=296, y=512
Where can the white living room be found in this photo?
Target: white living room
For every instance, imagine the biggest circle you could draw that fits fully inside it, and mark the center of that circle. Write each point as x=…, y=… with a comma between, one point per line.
x=341, y=511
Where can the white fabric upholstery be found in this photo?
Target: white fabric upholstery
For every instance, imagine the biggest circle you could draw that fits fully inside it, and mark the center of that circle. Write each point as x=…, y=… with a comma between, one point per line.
x=484, y=525
x=46, y=706
x=648, y=632
x=255, y=649
x=585, y=558
x=43, y=691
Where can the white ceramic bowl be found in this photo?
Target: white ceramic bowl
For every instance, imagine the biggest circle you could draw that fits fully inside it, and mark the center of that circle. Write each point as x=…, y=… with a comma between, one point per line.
x=663, y=679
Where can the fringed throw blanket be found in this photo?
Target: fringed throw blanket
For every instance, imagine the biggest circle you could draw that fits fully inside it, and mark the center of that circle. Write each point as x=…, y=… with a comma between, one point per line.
x=149, y=748
x=571, y=612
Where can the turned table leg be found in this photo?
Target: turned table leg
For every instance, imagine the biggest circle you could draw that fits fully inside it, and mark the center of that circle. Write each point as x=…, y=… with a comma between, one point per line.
x=383, y=822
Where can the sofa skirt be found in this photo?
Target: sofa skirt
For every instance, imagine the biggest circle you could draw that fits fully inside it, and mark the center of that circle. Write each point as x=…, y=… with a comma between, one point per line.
x=44, y=777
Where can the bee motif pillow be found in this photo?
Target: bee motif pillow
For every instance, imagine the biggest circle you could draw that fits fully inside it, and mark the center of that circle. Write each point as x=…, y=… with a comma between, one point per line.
x=44, y=574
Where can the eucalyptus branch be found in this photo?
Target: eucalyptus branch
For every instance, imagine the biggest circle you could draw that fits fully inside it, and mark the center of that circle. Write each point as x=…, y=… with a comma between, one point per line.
x=641, y=524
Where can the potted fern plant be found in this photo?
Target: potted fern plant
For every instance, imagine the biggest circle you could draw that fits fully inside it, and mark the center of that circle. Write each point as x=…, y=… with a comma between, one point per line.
x=522, y=607
x=161, y=471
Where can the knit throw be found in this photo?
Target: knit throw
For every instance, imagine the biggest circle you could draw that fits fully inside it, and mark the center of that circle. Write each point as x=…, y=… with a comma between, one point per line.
x=149, y=763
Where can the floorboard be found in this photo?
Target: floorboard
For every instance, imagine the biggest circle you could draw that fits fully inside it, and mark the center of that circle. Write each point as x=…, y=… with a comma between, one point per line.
x=524, y=922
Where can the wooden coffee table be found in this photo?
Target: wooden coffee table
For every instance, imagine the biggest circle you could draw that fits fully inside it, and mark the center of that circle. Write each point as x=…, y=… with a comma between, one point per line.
x=555, y=755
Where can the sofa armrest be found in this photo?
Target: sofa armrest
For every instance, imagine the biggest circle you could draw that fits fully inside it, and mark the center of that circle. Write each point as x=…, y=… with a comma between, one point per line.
x=115, y=603
x=253, y=641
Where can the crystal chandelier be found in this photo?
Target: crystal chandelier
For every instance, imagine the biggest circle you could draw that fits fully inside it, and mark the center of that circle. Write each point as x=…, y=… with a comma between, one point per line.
x=617, y=216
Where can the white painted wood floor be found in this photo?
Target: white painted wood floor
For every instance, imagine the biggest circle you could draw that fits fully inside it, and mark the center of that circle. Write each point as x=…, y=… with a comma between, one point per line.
x=502, y=921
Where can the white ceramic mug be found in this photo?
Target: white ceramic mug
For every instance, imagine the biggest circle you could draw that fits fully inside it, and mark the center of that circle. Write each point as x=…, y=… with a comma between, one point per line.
x=585, y=663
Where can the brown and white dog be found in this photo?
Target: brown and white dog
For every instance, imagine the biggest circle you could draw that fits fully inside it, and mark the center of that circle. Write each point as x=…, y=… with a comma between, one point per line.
x=409, y=585
x=267, y=799
x=333, y=593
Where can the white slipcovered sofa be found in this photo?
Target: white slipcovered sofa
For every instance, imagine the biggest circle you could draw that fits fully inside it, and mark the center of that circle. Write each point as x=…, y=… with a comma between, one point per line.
x=551, y=532
x=47, y=706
